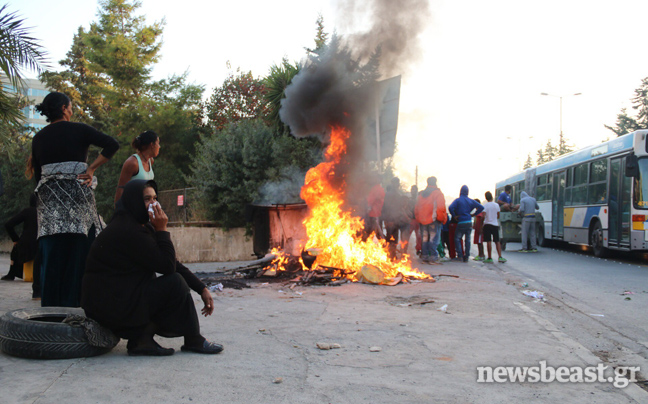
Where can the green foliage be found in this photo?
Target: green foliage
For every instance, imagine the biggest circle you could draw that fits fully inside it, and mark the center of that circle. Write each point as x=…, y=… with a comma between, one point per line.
x=123, y=47
x=18, y=51
x=229, y=167
x=241, y=97
x=107, y=76
x=278, y=79
x=528, y=163
x=13, y=158
x=626, y=123
x=321, y=37
x=550, y=152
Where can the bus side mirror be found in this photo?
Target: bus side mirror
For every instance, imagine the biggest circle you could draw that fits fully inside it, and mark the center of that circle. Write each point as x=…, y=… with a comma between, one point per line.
x=632, y=166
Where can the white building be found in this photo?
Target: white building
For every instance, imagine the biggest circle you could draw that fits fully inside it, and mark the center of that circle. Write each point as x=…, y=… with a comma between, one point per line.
x=35, y=91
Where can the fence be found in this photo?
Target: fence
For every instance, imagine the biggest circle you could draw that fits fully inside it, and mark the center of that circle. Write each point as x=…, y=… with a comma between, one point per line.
x=181, y=206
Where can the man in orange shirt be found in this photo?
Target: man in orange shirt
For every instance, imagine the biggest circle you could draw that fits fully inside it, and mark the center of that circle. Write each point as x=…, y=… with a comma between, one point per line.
x=430, y=212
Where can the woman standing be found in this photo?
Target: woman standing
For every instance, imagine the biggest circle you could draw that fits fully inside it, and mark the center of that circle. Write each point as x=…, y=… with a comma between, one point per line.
x=67, y=213
x=139, y=166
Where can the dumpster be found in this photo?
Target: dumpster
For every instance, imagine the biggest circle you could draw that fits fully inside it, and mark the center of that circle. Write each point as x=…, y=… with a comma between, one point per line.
x=511, y=229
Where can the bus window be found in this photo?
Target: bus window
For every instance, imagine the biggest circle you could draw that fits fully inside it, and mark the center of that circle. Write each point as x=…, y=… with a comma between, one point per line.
x=640, y=194
x=541, y=187
x=579, y=192
x=597, y=182
x=518, y=188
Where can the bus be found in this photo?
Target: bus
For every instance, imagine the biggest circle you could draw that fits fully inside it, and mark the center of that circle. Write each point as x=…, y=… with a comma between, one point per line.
x=596, y=196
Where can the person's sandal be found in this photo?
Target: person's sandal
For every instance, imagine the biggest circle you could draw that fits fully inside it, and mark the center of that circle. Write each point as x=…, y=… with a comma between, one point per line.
x=158, y=350
x=206, y=348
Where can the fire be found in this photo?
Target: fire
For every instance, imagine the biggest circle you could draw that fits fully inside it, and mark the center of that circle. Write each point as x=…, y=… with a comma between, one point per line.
x=336, y=233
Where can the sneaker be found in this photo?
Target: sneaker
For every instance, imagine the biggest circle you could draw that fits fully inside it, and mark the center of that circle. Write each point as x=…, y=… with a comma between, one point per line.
x=446, y=259
x=488, y=261
x=501, y=260
x=523, y=251
x=8, y=278
x=478, y=258
x=533, y=250
x=465, y=259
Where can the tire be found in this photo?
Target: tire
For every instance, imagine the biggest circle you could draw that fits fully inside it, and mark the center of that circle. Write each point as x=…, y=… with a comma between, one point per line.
x=540, y=238
x=41, y=334
x=596, y=241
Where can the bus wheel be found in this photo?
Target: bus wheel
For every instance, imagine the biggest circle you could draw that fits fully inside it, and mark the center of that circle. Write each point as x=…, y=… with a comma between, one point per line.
x=540, y=238
x=596, y=241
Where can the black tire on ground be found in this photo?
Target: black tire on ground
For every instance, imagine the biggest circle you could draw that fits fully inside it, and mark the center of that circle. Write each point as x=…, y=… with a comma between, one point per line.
x=596, y=241
x=540, y=238
x=41, y=334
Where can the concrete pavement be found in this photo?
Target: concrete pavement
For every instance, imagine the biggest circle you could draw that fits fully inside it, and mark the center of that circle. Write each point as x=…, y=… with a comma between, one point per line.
x=270, y=335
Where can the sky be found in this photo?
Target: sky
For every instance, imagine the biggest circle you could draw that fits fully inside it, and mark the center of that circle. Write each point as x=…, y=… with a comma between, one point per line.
x=471, y=107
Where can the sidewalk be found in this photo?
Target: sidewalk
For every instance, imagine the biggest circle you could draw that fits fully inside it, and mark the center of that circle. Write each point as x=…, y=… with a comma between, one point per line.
x=270, y=335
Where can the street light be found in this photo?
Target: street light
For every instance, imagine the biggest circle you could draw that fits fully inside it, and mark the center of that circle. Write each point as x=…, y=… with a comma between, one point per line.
x=561, y=97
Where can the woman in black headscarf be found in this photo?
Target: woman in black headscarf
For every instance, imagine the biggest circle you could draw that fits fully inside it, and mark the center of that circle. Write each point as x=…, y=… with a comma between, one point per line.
x=120, y=287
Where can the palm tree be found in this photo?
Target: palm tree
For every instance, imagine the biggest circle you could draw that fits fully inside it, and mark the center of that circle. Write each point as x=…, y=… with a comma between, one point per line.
x=279, y=78
x=18, y=51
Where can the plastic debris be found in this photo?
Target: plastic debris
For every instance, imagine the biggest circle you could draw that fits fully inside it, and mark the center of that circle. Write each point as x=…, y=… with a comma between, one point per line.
x=627, y=292
x=533, y=293
x=218, y=287
x=525, y=285
x=443, y=308
x=324, y=346
x=597, y=315
x=278, y=380
x=375, y=349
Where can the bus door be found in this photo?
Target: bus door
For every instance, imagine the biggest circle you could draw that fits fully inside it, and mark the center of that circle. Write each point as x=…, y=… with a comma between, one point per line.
x=558, y=205
x=619, y=205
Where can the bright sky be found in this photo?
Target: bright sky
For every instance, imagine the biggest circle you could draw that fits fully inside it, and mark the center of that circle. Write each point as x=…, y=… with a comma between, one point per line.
x=470, y=110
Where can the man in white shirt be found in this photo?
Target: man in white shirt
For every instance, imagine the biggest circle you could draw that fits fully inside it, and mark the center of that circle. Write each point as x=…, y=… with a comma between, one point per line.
x=491, y=228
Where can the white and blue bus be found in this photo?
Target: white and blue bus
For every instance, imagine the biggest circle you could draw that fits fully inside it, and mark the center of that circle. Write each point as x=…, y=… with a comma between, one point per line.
x=596, y=196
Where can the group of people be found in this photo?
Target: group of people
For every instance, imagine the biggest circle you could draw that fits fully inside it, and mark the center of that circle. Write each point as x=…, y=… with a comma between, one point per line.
x=124, y=274
x=437, y=228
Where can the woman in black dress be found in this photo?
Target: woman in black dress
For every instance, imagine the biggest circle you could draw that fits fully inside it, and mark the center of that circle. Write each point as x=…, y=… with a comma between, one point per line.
x=67, y=213
x=120, y=287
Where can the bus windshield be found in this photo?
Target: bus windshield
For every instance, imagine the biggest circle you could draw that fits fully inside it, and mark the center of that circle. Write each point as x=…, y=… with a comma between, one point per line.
x=640, y=194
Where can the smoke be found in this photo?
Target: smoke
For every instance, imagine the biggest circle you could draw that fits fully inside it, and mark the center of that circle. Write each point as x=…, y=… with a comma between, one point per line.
x=331, y=88
x=337, y=86
x=284, y=191
x=394, y=27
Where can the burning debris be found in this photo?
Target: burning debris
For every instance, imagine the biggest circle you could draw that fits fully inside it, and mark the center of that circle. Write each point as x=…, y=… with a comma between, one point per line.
x=333, y=97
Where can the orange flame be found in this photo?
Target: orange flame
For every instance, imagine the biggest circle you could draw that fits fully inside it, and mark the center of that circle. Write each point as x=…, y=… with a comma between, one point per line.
x=336, y=233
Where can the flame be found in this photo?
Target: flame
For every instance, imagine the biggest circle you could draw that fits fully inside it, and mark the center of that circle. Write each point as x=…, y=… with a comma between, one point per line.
x=336, y=233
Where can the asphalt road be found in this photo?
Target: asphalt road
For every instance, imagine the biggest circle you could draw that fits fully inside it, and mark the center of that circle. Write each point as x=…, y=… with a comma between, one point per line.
x=601, y=303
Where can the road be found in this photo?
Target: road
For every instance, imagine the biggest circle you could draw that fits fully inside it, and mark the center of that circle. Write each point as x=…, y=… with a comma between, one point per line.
x=587, y=298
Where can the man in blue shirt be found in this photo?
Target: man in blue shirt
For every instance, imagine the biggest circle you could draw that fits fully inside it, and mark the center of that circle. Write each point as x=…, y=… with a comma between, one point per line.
x=462, y=208
x=504, y=200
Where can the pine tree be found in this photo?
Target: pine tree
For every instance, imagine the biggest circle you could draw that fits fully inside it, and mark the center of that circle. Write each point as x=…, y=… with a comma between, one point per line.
x=541, y=157
x=550, y=152
x=528, y=163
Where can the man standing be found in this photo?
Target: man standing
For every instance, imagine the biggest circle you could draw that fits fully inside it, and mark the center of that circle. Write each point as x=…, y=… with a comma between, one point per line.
x=375, y=201
x=528, y=206
x=491, y=228
x=430, y=212
x=396, y=217
x=462, y=208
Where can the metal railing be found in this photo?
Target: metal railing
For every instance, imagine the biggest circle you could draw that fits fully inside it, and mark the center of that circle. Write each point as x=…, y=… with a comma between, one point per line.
x=181, y=206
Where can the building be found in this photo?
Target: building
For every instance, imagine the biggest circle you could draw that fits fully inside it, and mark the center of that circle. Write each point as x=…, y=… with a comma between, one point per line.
x=35, y=91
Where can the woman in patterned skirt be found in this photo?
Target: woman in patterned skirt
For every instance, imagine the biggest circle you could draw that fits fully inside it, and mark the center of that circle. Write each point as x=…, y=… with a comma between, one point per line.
x=67, y=215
